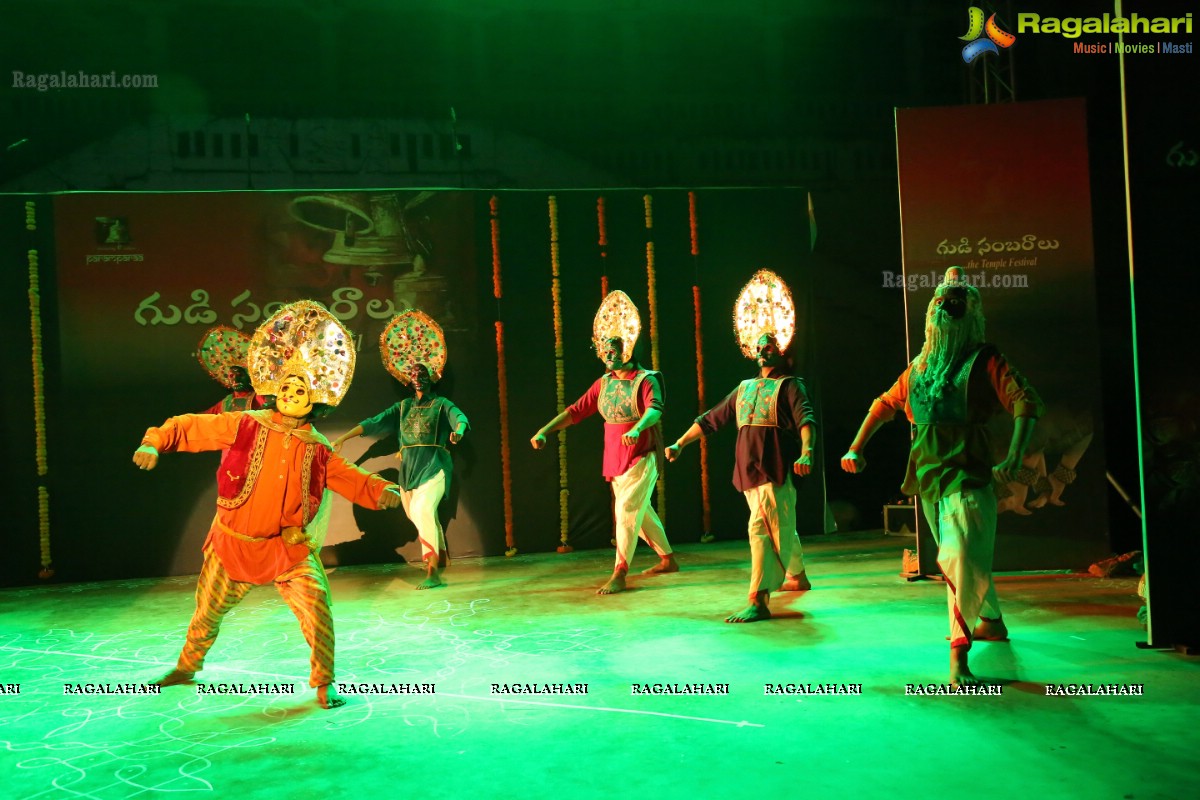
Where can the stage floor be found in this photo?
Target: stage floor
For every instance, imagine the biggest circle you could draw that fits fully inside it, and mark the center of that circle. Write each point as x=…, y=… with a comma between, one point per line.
x=533, y=619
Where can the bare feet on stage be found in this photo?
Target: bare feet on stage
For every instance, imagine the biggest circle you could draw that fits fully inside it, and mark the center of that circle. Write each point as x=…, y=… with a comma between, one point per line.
x=174, y=678
x=796, y=583
x=960, y=673
x=665, y=564
x=990, y=630
x=615, y=584
x=327, y=697
x=433, y=575
x=755, y=612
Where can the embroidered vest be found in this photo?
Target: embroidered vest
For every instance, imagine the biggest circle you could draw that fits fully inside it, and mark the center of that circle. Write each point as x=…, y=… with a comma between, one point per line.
x=242, y=462
x=419, y=424
x=951, y=407
x=618, y=401
x=758, y=402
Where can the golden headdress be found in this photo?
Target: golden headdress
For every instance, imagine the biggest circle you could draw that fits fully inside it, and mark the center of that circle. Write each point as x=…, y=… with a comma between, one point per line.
x=305, y=340
x=764, y=307
x=413, y=337
x=617, y=318
x=221, y=351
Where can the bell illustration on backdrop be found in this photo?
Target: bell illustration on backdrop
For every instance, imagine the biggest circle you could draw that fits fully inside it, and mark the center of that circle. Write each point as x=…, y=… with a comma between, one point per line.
x=372, y=231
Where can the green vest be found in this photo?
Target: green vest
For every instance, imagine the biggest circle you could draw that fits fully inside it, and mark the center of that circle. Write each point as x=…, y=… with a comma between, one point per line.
x=618, y=401
x=758, y=402
x=951, y=408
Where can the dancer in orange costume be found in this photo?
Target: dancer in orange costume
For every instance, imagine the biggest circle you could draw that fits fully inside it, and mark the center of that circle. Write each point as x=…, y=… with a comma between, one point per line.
x=272, y=507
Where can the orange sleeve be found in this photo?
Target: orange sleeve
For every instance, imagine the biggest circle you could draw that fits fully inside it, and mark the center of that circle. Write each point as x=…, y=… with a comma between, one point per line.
x=354, y=483
x=194, y=433
x=893, y=400
x=1014, y=392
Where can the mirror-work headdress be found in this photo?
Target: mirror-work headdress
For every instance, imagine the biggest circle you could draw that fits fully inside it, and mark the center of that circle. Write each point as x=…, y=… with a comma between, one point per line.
x=305, y=340
x=221, y=351
x=617, y=318
x=413, y=337
x=764, y=307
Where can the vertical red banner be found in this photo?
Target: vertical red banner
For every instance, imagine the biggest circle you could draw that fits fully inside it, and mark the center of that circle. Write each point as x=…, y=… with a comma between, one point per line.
x=1003, y=191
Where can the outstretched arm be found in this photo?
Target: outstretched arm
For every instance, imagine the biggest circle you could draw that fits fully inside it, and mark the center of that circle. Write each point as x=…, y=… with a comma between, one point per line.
x=690, y=435
x=563, y=420
x=337, y=443
x=191, y=433
x=854, y=461
x=882, y=410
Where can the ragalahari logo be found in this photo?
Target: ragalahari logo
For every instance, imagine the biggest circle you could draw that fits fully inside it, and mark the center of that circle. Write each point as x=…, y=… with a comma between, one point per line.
x=977, y=43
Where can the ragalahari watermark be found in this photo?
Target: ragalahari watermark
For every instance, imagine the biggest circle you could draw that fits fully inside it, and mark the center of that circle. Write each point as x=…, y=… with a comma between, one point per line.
x=45, y=81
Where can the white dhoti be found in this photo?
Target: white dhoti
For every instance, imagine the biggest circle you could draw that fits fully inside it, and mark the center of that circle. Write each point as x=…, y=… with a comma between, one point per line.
x=964, y=527
x=634, y=514
x=775, y=550
x=421, y=506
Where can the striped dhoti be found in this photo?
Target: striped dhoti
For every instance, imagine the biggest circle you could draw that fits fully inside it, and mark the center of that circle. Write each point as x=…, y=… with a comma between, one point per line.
x=304, y=588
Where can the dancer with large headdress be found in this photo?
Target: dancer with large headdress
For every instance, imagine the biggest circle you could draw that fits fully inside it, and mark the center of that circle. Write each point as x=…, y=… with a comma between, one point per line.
x=222, y=352
x=273, y=486
x=776, y=435
x=413, y=349
x=631, y=400
x=949, y=392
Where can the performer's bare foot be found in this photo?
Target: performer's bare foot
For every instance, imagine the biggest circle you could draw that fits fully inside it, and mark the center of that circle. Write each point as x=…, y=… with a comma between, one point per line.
x=960, y=673
x=1015, y=503
x=755, y=612
x=174, y=678
x=433, y=575
x=989, y=630
x=615, y=584
x=665, y=564
x=796, y=583
x=327, y=697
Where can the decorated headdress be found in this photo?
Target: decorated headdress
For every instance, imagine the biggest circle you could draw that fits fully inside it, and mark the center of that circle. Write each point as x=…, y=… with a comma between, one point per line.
x=413, y=337
x=221, y=351
x=764, y=307
x=303, y=339
x=617, y=318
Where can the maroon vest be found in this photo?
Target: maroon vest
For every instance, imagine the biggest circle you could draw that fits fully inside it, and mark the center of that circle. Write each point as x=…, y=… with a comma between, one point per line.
x=243, y=460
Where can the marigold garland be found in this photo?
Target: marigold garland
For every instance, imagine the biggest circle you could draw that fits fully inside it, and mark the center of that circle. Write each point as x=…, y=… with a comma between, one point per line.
x=652, y=302
x=705, y=503
x=39, y=399
x=559, y=377
x=502, y=383
x=705, y=507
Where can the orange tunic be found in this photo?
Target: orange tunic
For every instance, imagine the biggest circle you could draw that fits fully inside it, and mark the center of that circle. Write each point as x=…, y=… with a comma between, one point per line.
x=277, y=499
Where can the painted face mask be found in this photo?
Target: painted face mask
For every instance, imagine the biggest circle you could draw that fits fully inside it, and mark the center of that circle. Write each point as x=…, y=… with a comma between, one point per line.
x=613, y=353
x=766, y=351
x=294, y=399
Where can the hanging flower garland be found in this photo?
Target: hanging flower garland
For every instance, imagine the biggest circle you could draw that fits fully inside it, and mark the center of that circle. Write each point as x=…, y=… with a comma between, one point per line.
x=502, y=383
x=602, y=224
x=559, y=381
x=705, y=503
x=39, y=398
x=652, y=302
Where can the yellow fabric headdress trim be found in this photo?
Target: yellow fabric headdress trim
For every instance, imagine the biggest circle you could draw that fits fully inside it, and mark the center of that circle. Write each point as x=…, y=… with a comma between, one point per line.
x=305, y=340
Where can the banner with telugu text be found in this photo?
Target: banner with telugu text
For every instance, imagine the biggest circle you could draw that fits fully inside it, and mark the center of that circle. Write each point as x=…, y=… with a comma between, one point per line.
x=1003, y=191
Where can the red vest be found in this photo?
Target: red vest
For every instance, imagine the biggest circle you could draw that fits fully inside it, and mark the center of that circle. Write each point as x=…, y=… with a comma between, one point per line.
x=243, y=460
